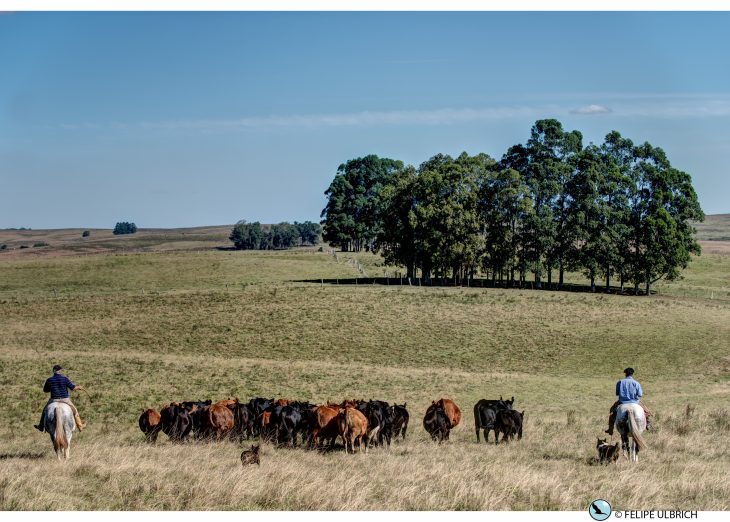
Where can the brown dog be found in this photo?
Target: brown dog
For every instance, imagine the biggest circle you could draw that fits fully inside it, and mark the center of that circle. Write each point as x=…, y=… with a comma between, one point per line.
x=251, y=456
x=607, y=453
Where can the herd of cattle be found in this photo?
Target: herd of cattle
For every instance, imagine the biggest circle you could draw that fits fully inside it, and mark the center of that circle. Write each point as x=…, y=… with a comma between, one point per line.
x=357, y=422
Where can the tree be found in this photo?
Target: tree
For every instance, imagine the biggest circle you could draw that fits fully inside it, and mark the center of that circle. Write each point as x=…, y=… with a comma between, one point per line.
x=398, y=239
x=247, y=236
x=283, y=235
x=85, y=233
x=124, y=227
x=504, y=202
x=351, y=217
x=309, y=232
x=546, y=164
x=430, y=218
x=663, y=205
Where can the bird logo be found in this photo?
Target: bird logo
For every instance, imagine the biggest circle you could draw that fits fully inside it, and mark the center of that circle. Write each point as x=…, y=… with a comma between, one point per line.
x=599, y=509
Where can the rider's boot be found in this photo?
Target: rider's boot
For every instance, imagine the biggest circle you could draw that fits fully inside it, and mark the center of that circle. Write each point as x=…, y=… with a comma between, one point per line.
x=79, y=424
x=611, y=421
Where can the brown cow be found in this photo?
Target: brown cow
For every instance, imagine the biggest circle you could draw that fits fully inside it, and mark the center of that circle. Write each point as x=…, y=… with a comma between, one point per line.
x=262, y=421
x=149, y=423
x=220, y=419
x=451, y=410
x=323, y=424
x=352, y=426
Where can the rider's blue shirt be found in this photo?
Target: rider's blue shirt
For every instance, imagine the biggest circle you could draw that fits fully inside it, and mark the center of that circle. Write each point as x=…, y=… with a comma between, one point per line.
x=58, y=386
x=629, y=391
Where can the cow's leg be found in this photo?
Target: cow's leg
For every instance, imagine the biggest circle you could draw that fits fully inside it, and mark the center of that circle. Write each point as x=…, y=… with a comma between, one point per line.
x=477, y=431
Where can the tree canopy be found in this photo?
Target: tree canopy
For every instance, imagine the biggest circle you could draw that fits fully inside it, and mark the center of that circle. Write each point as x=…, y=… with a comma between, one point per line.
x=610, y=210
x=255, y=236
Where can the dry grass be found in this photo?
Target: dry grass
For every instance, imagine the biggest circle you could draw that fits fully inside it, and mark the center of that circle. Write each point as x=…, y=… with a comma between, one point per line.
x=550, y=469
x=139, y=330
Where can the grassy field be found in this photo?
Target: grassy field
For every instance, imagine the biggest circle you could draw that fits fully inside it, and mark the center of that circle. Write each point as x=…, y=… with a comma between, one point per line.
x=153, y=319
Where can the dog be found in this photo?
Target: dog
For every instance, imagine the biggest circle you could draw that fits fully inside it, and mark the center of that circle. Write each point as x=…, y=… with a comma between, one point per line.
x=607, y=453
x=250, y=456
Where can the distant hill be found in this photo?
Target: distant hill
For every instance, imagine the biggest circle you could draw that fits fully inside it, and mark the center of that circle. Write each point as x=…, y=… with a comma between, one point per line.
x=715, y=228
x=68, y=241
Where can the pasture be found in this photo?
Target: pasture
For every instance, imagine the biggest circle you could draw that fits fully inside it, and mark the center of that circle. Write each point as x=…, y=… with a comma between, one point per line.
x=146, y=321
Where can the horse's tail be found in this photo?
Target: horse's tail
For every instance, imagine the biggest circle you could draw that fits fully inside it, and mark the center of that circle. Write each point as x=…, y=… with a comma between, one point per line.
x=635, y=433
x=59, y=436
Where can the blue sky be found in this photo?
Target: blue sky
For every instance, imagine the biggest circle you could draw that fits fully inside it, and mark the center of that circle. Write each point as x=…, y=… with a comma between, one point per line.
x=185, y=119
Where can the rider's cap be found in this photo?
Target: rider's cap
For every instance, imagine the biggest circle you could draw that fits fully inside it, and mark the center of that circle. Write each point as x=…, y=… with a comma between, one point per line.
x=629, y=371
x=57, y=368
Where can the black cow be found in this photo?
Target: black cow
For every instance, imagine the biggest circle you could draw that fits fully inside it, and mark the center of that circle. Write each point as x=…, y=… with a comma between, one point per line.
x=437, y=424
x=258, y=406
x=374, y=413
x=243, y=421
x=176, y=422
x=288, y=423
x=509, y=424
x=485, y=414
x=399, y=420
x=198, y=411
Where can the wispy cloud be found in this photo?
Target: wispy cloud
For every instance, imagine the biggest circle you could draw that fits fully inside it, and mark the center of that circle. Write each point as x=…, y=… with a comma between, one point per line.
x=592, y=109
x=690, y=107
x=355, y=119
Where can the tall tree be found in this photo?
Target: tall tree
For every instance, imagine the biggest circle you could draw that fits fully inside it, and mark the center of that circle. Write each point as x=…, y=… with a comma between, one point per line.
x=546, y=163
x=351, y=217
x=504, y=202
x=663, y=206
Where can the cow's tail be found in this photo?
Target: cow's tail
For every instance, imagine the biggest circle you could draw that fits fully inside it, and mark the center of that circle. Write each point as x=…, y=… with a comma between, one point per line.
x=638, y=439
x=59, y=436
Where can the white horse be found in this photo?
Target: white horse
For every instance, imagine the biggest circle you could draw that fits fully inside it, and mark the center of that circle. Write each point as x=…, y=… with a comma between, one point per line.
x=630, y=423
x=60, y=425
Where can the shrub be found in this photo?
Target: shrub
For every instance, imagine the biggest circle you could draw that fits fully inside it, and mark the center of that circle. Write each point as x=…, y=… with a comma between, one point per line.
x=86, y=233
x=40, y=244
x=3, y=247
x=24, y=246
x=124, y=227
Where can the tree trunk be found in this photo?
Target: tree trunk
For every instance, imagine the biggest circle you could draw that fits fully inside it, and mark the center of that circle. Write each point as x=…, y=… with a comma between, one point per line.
x=561, y=277
x=538, y=282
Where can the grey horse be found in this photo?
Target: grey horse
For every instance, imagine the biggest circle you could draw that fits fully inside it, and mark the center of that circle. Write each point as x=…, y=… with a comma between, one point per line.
x=60, y=425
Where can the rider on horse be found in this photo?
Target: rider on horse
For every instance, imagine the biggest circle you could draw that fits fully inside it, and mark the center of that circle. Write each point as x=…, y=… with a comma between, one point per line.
x=58, y=385
x=628, y=390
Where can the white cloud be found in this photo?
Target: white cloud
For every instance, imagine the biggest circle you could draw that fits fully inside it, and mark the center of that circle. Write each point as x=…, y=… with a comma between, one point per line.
x=592, y=109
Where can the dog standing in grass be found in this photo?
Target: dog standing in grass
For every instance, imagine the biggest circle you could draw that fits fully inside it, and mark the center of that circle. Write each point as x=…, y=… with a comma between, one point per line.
x=250, y=456
x=607, y=453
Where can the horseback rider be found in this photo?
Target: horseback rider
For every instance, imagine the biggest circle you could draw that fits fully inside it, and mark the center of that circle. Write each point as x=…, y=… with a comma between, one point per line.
x=58, y=385
x=628, y=391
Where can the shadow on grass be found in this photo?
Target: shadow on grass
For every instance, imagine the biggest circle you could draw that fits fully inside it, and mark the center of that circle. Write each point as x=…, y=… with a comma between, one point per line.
x=24, y=455
x=473, y=283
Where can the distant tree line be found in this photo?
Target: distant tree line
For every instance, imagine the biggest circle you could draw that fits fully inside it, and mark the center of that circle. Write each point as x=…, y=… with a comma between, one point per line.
x=255, y=236
x=615, y=210
x=123, y=227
